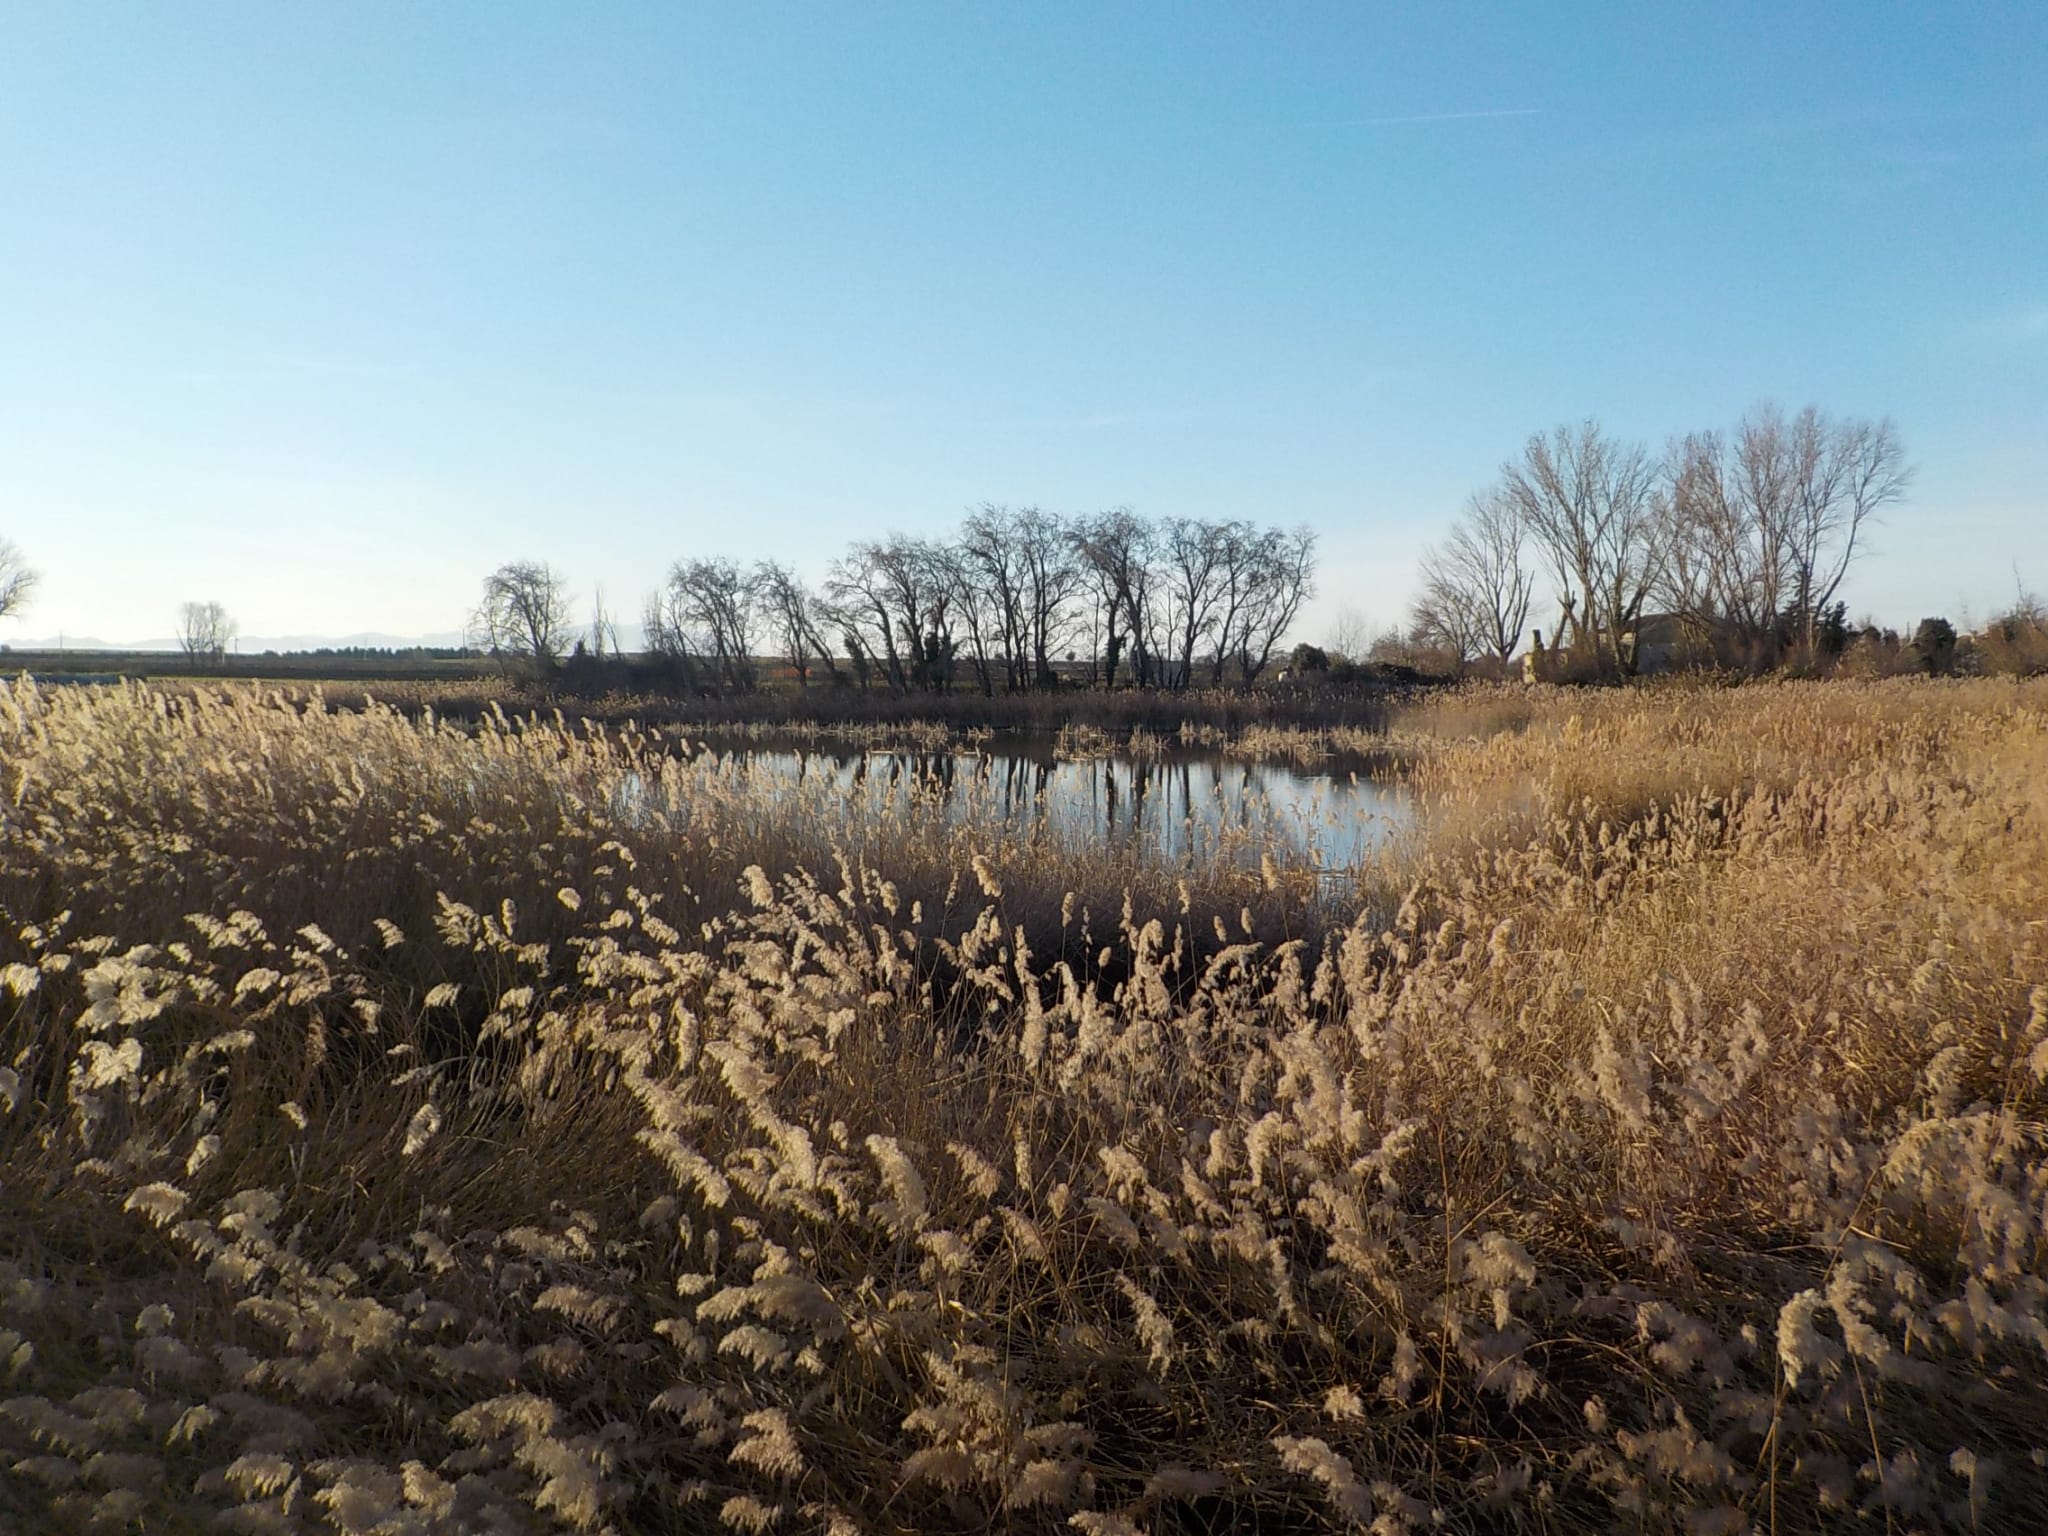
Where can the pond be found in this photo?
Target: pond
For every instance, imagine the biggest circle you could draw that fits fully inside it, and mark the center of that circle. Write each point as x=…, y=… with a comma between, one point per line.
x=1179, y=806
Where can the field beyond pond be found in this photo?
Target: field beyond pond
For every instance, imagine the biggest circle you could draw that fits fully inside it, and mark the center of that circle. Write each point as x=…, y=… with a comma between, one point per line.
x=529, y=1125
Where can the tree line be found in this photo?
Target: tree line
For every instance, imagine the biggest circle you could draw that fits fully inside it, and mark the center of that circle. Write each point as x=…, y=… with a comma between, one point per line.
x=1725, y=547
x=999, y=605
x=1738, y=541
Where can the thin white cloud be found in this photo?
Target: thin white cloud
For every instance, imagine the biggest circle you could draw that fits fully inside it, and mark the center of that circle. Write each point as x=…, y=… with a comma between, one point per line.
x=1431, y=117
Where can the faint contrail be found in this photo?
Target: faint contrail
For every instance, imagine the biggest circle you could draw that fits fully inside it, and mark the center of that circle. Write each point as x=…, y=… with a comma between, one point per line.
x=1431, y=117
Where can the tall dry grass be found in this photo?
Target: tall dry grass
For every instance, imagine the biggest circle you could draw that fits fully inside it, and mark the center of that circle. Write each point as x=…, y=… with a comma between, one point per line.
x=876, y=715
x=385, y=1150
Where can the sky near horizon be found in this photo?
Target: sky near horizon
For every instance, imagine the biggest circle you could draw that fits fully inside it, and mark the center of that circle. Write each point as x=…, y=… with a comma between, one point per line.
x=324, y=310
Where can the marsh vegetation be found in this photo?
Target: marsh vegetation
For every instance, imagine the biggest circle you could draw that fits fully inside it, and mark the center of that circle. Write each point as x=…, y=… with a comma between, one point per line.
x=417, y=1128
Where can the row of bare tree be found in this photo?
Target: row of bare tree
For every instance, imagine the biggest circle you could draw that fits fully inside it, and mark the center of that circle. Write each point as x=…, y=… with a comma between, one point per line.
x=1159, y=603
x=1741, y=539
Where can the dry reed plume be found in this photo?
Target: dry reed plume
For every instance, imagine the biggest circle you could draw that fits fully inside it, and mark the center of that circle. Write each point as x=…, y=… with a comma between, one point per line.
x=409, y=1131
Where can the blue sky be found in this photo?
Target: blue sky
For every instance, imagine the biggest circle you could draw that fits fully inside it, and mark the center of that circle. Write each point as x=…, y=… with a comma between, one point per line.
x=325, y=310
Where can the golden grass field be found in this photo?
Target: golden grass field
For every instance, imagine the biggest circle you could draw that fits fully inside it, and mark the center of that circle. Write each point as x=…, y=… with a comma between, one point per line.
x=406, y=1129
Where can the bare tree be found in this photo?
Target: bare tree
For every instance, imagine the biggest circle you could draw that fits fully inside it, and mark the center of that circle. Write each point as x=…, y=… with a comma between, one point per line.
x=1443, y=619
x=523, y=619
x=665, y=625
x=17, y=581
x=1282, y=578
x=1846, y=472
x=707, y=609
x=604, y=630
x=205, y=631
x=1238, y=560
x=1592, y=506
x=1192, y=566
x=973, y=608
x=992, y=561
x=858, y=592
x=1052, y=578
x=952, y=600
x=795, y=619
x=895, y=612
x=1351, y=634
x=1766, y=521
x=1116, y=550
x=1475, y=589
x=1729, y=536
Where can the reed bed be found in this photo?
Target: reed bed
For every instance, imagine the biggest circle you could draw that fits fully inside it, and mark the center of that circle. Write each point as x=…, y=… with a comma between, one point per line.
x=877, y=716
x=406, y=1130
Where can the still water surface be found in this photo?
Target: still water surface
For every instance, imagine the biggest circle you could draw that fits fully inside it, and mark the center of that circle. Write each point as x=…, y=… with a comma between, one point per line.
x=1180, y=806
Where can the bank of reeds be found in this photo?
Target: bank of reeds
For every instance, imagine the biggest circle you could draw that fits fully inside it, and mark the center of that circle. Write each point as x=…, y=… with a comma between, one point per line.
x=879, y=716
x=385, y=1150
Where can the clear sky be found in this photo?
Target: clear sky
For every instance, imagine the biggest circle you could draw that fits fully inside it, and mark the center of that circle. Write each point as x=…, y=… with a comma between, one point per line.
x=323, y=310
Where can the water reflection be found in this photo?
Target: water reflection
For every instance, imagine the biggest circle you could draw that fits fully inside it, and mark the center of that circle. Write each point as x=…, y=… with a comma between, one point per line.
x=1187, y=806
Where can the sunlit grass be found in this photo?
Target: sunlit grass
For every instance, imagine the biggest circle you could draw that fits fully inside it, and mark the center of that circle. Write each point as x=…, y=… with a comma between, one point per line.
x=414, y=1129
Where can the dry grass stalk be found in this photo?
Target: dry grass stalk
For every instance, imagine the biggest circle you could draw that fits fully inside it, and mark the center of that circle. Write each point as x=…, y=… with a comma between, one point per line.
x=395, y=1139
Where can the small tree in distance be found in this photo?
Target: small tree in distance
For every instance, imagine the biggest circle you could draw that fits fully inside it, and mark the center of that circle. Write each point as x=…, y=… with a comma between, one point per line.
x=17, y=581
x=523, y=619
x=1934, y=645
x=205, y=631
x=1476, y=591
